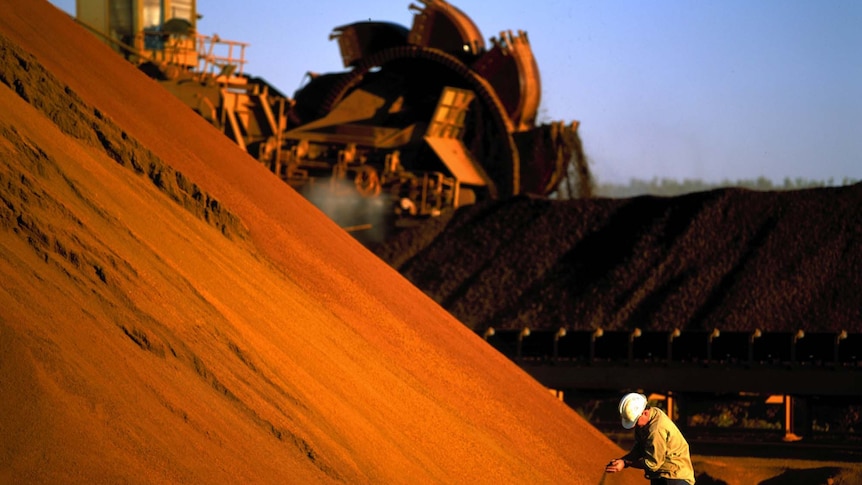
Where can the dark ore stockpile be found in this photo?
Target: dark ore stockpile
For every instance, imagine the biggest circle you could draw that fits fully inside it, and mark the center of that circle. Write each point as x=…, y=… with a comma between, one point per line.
x=732, y=259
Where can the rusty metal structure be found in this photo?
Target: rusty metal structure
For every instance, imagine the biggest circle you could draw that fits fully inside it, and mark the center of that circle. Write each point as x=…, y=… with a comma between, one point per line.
x=422, y=120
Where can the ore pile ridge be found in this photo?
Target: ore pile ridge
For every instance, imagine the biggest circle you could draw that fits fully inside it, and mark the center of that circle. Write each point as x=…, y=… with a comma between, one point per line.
x=732, y=259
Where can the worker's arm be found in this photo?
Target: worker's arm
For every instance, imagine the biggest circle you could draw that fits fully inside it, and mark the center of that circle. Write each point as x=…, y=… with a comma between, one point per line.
x=632, y=459
x=618, y=464
x=654, y=450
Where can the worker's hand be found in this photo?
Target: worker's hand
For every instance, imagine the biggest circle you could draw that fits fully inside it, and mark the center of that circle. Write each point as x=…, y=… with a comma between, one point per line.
x=616, y=465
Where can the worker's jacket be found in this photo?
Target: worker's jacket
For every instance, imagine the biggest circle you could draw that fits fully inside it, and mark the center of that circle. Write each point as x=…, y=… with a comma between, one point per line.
x=662, y=448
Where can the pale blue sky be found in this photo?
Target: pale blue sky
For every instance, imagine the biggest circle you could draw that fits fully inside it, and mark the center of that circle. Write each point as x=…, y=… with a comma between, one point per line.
x=713, y=90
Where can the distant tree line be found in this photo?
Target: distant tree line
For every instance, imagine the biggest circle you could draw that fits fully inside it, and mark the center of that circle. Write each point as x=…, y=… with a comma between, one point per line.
x=671, y=187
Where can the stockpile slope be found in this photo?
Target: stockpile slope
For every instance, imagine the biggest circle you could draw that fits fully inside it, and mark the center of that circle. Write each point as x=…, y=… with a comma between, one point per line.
x=731, y=259
x=172, y=313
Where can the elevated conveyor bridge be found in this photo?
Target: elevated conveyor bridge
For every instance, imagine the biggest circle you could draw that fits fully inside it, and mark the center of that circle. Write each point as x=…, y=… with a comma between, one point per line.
x=797, y=363
x=776, y=394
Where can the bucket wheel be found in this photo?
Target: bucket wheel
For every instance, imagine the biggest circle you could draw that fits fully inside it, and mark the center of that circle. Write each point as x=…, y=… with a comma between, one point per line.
x=490, y=140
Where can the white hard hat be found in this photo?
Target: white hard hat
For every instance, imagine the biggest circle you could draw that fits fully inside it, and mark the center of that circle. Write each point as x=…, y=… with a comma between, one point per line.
x=632, y=405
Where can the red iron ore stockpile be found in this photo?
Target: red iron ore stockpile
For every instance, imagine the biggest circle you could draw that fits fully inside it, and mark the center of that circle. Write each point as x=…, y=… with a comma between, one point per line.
x=171, y=312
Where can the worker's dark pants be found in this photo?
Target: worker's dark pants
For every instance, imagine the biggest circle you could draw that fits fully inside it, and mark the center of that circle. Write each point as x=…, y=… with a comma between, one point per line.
x=667, y=481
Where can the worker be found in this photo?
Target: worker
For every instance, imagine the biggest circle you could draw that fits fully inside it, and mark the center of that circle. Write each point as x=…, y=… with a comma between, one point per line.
x=660, y=450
